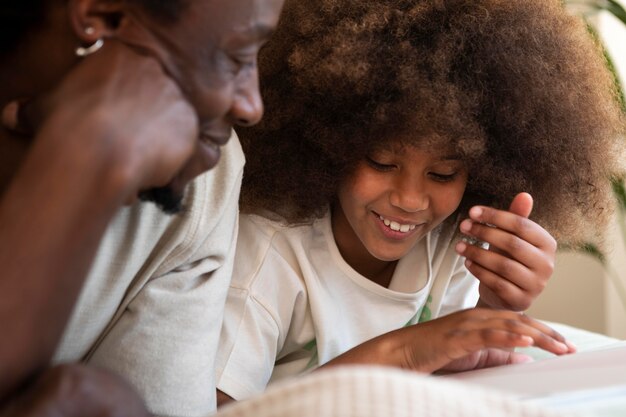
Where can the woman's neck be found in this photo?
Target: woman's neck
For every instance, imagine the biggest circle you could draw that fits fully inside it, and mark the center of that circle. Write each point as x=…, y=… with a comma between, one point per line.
x=356, y=254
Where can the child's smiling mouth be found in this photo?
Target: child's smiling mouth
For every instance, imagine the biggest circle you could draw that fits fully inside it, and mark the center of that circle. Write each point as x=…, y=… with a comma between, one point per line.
x=397, y=227
x=402, y=228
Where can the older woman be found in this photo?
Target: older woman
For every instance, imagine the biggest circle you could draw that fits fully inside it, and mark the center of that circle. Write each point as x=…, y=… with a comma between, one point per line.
x=104, y=104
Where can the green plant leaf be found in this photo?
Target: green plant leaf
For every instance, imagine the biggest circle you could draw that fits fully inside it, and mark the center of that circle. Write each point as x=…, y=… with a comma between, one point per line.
x=611, y=6
x=593, y=250
x=619, y=90
x=620, y=193
x=616, y=9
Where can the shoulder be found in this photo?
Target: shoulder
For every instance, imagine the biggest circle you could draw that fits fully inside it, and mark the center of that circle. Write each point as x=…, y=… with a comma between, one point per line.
x=275, y=231
x=270, y=250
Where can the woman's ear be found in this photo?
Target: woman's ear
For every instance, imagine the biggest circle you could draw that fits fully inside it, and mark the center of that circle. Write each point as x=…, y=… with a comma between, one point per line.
x=92, y=20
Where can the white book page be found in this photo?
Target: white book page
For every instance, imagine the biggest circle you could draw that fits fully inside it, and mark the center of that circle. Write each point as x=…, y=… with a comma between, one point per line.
x=594, y=380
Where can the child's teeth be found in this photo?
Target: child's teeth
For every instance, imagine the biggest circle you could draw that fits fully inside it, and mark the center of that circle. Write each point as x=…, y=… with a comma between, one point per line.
x=403, y=228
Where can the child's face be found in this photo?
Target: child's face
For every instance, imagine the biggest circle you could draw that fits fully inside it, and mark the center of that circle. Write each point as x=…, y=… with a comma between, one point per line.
x=393, y=199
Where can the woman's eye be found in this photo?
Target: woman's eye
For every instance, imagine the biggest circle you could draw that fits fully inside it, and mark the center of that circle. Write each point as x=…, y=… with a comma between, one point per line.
x=379, y=166
x=241, y=63
x=443, y=177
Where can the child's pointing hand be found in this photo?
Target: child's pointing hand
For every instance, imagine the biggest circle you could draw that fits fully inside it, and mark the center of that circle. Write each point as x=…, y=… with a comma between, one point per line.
x=520, y=259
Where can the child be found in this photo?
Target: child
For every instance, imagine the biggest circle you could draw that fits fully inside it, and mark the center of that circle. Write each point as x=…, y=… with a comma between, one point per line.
x=388, y=123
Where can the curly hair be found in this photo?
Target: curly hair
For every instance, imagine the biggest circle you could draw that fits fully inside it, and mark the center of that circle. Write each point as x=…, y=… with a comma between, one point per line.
x=518, y=88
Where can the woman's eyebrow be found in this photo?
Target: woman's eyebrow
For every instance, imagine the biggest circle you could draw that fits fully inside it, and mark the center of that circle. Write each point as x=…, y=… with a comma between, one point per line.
x=257, y=30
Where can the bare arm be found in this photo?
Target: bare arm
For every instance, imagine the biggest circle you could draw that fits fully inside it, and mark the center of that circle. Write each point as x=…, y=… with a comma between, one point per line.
x=465, y=340
x=51, y=220
x=469, y=339
x=76, y=391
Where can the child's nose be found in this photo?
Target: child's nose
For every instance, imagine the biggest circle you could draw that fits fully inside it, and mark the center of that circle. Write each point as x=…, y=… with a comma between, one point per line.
x=409, y=197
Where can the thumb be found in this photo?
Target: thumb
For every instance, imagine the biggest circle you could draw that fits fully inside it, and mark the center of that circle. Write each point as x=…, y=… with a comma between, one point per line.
x=522, y=205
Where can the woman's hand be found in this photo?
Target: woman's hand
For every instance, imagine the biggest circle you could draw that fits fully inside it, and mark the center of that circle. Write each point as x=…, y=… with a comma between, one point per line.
x=520, y=259
x=464, y=340
x=76, y=390
x=114, y=126
x=119, y=109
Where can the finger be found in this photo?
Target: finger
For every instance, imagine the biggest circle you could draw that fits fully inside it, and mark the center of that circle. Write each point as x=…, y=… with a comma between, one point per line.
x=10, y=115
x=543, y=336
x=503, y=267
x=143, y=42
x=488, y=337
x=18, y=116
x=522, y=205
x=486, y=358
x=497, y=357
x=511, y=245
x=500, y=293
x=480, y=261
x=486, y=314
x=519, y=226
x=508, y=334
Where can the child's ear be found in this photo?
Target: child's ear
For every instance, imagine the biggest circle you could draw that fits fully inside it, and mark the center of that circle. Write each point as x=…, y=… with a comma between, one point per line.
x=95, y=19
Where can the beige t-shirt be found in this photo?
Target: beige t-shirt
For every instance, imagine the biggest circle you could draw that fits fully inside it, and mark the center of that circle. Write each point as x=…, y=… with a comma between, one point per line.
x=295, y=304
x=151, y=308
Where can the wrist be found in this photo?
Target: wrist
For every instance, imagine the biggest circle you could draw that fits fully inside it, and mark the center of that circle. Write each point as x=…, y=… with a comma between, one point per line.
x=92, y=154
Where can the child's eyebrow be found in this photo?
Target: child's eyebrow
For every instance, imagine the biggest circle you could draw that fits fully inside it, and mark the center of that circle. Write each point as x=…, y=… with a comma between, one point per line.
x=450, y=158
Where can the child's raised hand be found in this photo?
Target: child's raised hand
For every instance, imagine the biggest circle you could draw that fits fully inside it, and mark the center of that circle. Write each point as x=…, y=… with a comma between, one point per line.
x=468, y=339
x=520, y=259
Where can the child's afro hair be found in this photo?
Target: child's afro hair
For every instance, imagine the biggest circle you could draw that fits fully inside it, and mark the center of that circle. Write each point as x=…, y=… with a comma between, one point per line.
x=519, y=88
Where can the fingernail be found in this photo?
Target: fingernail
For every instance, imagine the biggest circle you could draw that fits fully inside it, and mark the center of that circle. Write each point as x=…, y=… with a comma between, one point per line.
x=562, y=347
x=572, y=347
x=461, y=246
x=466, y=226
x=476, y=212
x=468, y=263
x=528, y=340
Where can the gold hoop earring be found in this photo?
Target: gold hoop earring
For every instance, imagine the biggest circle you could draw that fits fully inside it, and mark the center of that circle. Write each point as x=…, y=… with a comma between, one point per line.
x=85, y=51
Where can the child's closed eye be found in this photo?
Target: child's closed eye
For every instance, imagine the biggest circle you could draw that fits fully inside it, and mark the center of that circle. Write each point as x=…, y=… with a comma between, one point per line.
x=443, y=177
x=378, y=166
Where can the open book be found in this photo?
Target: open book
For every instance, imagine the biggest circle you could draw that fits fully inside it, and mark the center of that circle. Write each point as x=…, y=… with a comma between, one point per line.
x=592, y=381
